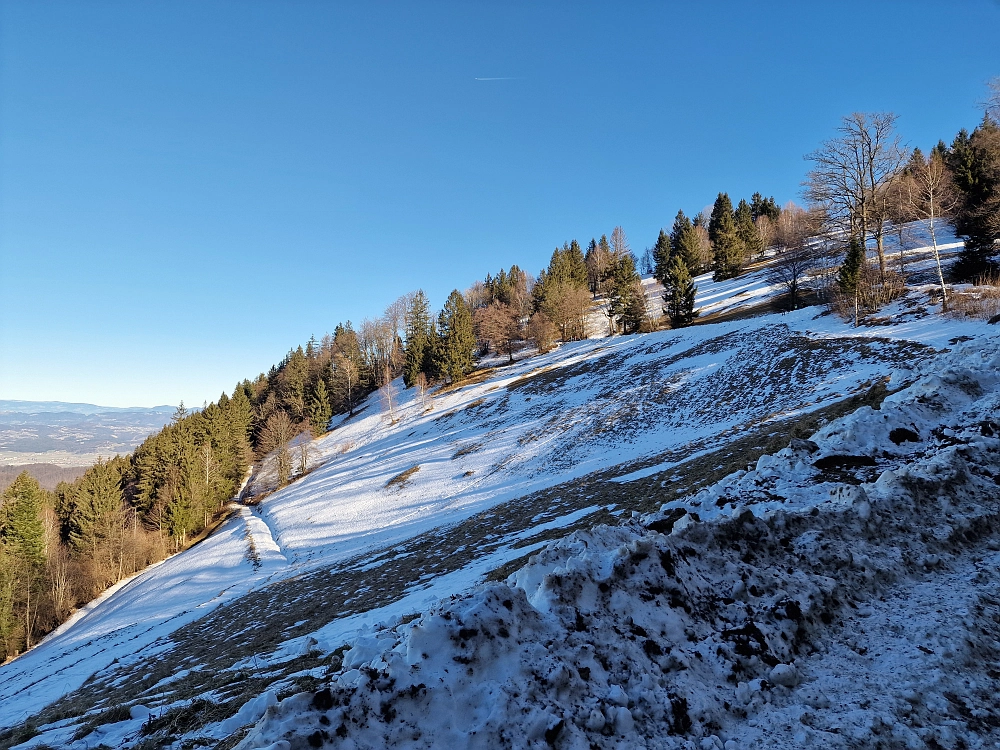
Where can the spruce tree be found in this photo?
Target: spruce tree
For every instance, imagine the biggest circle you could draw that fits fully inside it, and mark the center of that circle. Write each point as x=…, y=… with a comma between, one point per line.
x=679, y=293
x=761, y=206
x=98, y=507
x=727, y=249
x=456, y=339
x=576, y=266
x=320, y=410
x=684, y=242
x=747, y=231
x=21, y=519
x=849, y=276
x=975, y=165
x=417, y=354
x=623, y=308
x=662, y=252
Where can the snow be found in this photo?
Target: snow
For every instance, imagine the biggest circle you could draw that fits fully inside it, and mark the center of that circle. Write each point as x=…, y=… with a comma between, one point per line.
x=633, y=406
x=801, y=619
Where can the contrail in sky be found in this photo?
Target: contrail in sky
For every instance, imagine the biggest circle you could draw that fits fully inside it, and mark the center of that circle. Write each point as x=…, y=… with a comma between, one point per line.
x=510, y=78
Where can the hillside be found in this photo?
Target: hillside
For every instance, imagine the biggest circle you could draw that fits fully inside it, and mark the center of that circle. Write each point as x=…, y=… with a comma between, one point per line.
x=466, y=484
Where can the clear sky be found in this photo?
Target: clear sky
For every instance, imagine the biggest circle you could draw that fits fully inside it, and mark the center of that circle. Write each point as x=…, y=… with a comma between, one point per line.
x=187, y=190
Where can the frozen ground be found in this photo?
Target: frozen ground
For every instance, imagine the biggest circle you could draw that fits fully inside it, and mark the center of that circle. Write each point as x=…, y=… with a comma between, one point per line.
x=196, y=649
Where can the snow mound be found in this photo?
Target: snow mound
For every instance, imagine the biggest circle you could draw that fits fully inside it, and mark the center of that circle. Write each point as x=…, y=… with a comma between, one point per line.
x=846, y=594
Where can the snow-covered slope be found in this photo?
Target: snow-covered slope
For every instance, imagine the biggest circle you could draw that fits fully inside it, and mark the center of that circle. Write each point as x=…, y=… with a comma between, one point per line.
x=847, y=596
x=394, y=515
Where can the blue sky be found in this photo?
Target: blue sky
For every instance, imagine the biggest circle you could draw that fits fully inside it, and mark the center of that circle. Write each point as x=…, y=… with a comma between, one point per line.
x=189, y=189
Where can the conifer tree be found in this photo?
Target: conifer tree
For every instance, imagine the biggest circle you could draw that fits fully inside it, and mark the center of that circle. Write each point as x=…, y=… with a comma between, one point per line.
x=596, y=261
x=685, y=243
x=456, y=339
x=727, y=249
x=849, y=276
x=975, y=166
x=320, y=410
x=623, y=309
x=417, y=354
x=761, y=206
x=679, y=293
x=98, y=508
x=662, y=252
x=747, y=232
x=21, y=526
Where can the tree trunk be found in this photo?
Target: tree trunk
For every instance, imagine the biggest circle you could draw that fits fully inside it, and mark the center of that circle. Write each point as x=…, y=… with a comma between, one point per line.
x=937, y=259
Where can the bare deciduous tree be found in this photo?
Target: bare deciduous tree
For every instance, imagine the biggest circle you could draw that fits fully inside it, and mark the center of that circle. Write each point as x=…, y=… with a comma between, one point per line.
x=765, y=229
x=499, y=326
x=927, y=193
x=619, y=244
x=566, y=305
x=795, y=245
x=851, y=175
x=992, y=102
x=541, y=331
x=477, y=295
x=704, y=249
x=277, y=433
x=387, y=397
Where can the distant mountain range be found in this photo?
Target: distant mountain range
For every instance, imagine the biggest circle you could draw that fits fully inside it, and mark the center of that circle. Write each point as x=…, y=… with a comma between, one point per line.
x=50, y=407
x=73, y=434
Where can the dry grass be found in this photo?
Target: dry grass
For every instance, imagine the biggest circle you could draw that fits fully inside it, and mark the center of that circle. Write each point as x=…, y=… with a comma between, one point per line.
x=473, y=378
x=403, y=477
x=981, y=301
x=465, y=450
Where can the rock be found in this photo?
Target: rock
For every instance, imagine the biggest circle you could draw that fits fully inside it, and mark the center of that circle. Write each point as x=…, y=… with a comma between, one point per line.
x=785, y=675
x=994, y=319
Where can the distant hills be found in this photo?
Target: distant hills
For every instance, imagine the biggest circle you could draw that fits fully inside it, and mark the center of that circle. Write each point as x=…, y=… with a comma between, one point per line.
x=72, y=434
x=50, y=407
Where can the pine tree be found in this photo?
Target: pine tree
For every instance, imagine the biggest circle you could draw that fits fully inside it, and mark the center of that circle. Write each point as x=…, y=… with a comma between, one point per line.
x=320, y=410
x=975, y=165
x=662, y=252
x=746, y=230
x=21, y=519
x=849, y=276
x=417, y=354
x=684, y=242
x=98, y=508
x=623, y=308
x=456, y=339
x=761, y=206
x=727, y=248
x=679, y=293
x=576, y=266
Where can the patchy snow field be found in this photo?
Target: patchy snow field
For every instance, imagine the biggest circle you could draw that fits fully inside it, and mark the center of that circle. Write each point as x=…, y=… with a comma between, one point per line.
x=395, y=515
x=847, y=595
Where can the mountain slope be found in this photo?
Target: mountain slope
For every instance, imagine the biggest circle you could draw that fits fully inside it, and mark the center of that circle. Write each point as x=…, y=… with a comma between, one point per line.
x=861, y=610
x=586, y=434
